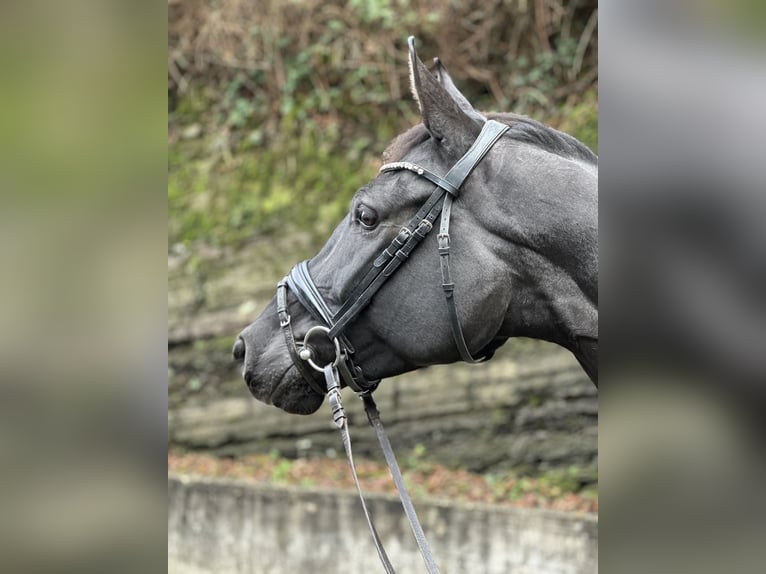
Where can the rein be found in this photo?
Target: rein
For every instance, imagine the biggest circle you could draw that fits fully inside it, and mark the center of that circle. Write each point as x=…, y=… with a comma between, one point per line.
x=333, y=324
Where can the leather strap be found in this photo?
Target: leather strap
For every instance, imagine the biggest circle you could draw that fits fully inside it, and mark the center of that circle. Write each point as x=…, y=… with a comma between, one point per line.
x=490, y=133
x=302, y=284
x=449, y=287
x=382, y=275
x=423, y=172
x=382, y=268
x=341, y=421
x=398, y=251
x=350, y=373
x=285, y=324
x=402, y=245
x=300, y=281
x=409, y=509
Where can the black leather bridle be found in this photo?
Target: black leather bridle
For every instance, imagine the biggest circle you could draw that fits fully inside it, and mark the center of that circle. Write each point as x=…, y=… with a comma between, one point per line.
x=333, y=323
x=299, y=280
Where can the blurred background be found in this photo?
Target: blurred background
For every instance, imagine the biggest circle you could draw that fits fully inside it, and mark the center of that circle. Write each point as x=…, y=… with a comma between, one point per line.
x=279, y=111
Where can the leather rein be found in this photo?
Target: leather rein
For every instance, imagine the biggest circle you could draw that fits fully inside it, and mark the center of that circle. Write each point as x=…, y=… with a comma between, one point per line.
x=333, y=324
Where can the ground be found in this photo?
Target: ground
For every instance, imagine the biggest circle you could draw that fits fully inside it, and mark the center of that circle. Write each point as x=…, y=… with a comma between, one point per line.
x=556, y=491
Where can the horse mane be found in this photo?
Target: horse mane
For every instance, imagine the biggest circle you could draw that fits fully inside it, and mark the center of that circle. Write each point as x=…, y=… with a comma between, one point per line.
x=404, y=142
x=523, y=129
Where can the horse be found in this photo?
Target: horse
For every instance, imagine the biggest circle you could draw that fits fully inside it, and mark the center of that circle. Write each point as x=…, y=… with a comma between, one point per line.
x=521, y=253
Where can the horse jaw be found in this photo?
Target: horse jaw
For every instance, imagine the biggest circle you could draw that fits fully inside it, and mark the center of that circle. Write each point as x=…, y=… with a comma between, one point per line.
x=586, y=352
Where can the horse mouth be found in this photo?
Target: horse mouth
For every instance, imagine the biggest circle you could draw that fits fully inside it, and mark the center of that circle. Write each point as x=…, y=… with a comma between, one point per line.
x=264, y=387
x=259, y=391
x=287, y=391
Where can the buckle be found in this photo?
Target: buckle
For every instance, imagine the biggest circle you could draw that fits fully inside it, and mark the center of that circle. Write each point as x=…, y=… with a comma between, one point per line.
x=444, y=241
x=424, y=227
x=284, y=322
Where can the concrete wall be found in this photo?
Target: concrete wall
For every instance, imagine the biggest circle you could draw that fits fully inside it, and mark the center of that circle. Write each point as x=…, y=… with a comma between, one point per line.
x=220, y=526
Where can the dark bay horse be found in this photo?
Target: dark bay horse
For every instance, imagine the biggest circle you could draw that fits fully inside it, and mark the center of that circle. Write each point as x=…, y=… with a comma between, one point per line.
x=523, y=242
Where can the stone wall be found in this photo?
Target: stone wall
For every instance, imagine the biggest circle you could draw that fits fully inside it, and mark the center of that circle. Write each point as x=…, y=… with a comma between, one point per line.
x=530, y=409
x=220, y=526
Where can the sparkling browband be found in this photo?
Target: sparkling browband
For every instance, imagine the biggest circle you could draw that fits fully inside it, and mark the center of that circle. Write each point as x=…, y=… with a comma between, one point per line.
x=402, y=165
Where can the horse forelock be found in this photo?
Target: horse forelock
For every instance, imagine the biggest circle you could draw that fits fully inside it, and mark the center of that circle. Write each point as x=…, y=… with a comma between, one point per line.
x=523, y=129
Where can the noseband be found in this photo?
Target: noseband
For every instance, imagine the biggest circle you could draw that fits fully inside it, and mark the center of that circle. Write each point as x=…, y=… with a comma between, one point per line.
x=299, y=279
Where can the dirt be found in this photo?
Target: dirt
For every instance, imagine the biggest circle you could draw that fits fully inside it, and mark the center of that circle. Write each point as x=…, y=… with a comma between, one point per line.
x=556, y=491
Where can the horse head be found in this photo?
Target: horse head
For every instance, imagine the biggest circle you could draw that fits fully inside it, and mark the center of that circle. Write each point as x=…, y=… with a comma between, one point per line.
x=523, y=254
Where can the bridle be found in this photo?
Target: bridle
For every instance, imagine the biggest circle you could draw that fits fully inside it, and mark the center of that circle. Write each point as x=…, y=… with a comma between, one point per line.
x=299, y=280
x=333, y=324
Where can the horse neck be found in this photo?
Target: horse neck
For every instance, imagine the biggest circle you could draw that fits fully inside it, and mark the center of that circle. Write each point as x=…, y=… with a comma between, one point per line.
x=547, y=303
x=552, y=247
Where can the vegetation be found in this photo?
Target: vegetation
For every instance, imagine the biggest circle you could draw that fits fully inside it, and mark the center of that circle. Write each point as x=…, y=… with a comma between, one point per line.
x=279, y=110
x=556, y=489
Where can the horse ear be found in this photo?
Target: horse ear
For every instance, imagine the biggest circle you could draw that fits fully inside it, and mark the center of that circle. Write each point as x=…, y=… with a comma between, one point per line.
x=443, y=117
x=446, y=81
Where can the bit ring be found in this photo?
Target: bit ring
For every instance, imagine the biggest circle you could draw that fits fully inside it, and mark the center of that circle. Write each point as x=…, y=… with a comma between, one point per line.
x=307, y=357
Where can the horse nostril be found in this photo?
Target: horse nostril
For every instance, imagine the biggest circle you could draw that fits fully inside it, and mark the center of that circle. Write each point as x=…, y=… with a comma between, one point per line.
x=239, y=349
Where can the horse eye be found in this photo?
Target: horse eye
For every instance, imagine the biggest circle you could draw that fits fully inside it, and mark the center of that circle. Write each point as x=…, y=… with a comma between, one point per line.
x=367, y=217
